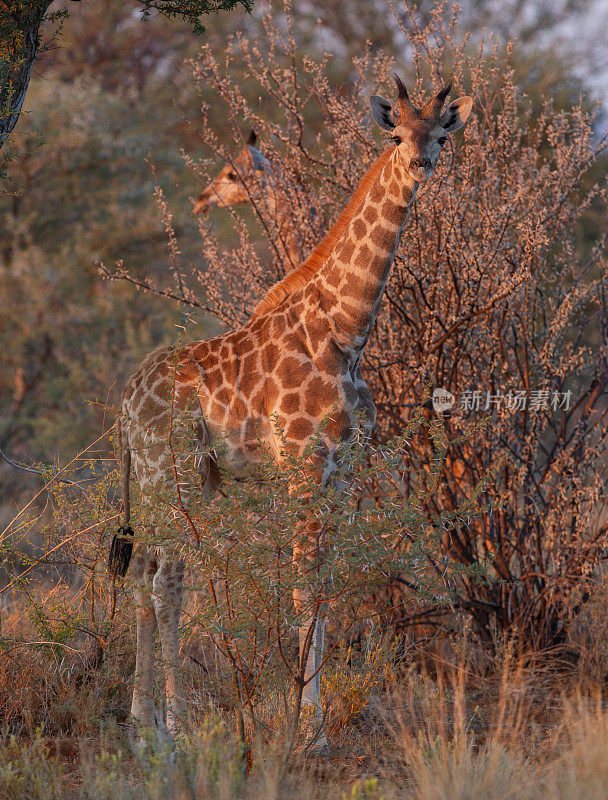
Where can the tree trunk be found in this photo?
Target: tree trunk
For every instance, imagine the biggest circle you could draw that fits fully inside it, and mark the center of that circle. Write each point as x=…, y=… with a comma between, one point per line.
x=20, y=24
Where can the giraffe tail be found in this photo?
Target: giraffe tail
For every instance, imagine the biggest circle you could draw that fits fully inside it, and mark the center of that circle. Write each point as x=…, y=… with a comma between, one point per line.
x=122, y=542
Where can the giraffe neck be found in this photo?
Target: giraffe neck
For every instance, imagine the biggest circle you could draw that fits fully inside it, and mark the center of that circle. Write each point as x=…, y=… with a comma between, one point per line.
x=278, y=206
x=352, y=280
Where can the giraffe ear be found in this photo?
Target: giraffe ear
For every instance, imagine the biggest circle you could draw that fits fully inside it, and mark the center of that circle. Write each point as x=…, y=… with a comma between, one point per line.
x=381, y=109
x=258, y=161
x=456, y=114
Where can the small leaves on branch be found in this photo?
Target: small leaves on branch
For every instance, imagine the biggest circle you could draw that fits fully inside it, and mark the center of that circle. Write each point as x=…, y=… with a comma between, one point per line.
x=191, y=10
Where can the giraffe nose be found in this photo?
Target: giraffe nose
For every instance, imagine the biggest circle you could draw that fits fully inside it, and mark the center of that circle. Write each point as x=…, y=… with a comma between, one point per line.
x=202, y=205
x=420, y=163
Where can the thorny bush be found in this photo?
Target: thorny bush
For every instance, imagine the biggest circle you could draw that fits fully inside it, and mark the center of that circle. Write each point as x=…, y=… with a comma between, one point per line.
x=67, y=652
x=239, y=547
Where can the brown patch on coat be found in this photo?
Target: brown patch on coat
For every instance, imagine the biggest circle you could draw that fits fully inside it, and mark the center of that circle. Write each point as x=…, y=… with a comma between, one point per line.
x=370, y=214
x=290, y=404
x=292, y=372
x=319, y=397
x=382, y=238
x=299, y=429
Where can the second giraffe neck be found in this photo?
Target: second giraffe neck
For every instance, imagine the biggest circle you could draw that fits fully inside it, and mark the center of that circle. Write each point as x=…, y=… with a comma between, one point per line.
x=352, y=280
x=279, y=208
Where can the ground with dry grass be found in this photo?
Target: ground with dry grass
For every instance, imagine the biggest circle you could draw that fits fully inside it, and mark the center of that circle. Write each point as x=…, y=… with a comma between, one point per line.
x=401, y=725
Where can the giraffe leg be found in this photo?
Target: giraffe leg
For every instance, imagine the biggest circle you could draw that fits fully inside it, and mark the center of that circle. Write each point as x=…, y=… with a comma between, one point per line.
x=311, y=645
x=312, y=635
x=143, y=567
x=309, y=605
x=167, y=597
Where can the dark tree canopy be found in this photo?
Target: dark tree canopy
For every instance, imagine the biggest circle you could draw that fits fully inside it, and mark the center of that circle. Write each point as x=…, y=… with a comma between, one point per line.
x=20, y=40
x=191, y=10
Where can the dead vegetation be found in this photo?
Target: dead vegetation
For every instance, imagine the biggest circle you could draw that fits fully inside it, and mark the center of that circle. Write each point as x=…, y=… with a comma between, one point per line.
x=445, y=732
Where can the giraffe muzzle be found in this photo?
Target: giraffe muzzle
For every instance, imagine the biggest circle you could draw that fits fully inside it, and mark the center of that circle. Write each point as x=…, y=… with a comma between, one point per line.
x=202, y=205
x=420, y=163
x=420, y=168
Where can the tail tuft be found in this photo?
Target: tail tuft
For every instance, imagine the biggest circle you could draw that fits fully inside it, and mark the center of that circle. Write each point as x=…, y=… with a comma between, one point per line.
x=120, y=551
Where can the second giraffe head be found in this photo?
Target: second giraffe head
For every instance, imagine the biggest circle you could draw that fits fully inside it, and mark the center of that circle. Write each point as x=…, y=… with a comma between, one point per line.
x=236, y=181
x=420, y=133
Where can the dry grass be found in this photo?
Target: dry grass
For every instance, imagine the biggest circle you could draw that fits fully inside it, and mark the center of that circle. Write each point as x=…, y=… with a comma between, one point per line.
x=523, y=731
x=459, y=724
x=49, y=676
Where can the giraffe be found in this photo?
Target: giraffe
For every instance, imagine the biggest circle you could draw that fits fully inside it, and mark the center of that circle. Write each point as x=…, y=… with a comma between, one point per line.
x=273, y=380
x=250, y=178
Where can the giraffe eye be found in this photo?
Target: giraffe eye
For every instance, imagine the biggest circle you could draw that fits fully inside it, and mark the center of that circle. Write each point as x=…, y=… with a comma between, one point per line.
x=397, y=139
x=442, y=140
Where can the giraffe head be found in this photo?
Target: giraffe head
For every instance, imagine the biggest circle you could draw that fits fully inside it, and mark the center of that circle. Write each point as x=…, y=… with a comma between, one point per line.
x=420, y=133
x=236, y=181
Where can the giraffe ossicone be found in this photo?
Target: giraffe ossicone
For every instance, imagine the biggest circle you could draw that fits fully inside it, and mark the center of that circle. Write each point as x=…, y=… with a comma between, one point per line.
x=271, y=381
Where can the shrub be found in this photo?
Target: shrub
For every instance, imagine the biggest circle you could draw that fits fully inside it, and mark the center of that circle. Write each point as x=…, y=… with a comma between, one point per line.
x=241, y=547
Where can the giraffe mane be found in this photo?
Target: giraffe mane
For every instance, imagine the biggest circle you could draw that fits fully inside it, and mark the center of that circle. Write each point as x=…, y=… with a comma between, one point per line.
x=300, y=276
